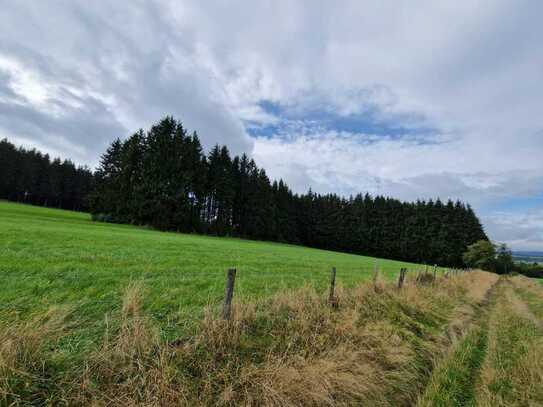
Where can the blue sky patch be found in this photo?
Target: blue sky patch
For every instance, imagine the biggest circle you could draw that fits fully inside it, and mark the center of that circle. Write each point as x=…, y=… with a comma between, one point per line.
x=294, y=120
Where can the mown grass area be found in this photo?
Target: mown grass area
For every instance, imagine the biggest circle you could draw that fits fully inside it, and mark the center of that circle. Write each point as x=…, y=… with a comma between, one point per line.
x=454, y=383
x=499, y=362
x=55, y=258
x=513, y=370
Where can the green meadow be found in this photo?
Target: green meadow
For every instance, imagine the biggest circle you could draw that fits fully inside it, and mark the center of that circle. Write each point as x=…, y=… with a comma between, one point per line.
x=53, y=258
x=67, y=337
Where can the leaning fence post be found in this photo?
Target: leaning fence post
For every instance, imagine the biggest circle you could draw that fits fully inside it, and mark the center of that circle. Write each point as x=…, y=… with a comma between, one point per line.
x=375, y=279
x=402, y=277
x=331, y=297
x=228, y=293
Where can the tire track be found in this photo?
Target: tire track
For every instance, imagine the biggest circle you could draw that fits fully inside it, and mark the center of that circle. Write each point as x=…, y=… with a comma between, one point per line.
x=511, y=372
x=453, y=381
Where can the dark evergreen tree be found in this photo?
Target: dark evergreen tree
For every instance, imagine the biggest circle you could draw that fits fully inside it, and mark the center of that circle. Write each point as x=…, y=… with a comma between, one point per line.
x=30, y=177
x=106, y=197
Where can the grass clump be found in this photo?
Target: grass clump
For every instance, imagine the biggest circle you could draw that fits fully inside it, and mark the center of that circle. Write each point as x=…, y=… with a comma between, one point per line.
x=28, y=356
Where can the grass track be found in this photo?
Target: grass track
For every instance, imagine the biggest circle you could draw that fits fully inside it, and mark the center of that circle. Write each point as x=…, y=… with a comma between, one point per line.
x=513, y=369
x=454, y=383
x=499, y=362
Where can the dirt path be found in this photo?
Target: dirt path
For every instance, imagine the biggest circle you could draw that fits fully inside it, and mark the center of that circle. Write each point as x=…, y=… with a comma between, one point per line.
x=498, y=361
x=453, y=381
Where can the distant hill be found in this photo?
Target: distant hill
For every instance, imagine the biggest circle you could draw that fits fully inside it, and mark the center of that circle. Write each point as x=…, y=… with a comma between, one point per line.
x=528, y=256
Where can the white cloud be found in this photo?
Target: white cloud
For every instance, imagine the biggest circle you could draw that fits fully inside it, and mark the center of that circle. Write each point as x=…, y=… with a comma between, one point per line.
x=469, y=71
x=523, y=230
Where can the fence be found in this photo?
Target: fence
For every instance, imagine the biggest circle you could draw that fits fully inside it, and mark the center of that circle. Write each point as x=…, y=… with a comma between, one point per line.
x=425, y=277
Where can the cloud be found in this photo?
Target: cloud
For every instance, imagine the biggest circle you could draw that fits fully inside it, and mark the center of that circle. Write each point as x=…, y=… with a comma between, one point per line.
x=411, y=100
x=103, y=72
x=523, y=230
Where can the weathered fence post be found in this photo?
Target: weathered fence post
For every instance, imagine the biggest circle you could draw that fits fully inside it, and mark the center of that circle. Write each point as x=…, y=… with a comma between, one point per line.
x=435, y=273
x=375, y=279
x=331, y=297
x=228, y=294
x=402, y=277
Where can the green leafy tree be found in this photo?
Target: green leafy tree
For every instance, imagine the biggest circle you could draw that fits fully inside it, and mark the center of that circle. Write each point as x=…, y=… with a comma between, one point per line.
x=482, y=255
x=504, y=259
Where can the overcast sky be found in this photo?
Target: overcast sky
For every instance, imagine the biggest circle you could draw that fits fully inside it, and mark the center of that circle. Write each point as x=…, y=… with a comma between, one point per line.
x=412, y=99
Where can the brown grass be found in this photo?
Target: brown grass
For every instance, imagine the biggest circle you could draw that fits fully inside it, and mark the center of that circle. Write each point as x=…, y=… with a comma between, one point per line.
x=377, y=348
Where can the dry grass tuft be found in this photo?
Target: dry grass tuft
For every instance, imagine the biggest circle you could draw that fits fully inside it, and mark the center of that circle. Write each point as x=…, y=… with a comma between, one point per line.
x=24, y=363
x=133, y=367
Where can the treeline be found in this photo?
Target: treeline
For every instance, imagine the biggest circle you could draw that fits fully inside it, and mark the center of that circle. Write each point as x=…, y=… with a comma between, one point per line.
x=32, y=177
x=534, y=270
x=163, y=178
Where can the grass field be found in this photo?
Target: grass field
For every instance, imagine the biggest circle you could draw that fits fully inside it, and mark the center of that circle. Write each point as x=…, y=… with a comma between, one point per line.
x=101, y=314
x=52, y=257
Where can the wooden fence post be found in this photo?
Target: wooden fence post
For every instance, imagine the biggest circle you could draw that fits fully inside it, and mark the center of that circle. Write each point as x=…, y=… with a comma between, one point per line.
x=435, y=273
x=375, y=279
x=228, y=294
x=331, y=297
x=402, y=277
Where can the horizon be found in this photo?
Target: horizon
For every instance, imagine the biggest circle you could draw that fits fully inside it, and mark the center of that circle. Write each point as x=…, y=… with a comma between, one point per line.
x=393, y=101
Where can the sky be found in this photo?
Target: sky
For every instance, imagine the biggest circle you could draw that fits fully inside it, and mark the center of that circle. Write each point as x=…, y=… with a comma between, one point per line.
x=414, y=100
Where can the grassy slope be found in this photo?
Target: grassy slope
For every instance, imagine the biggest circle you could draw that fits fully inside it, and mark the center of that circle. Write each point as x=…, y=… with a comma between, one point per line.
x=464, y=340
x=51, y=257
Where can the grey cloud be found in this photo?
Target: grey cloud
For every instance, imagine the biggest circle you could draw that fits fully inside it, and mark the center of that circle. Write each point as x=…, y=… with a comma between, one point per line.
x=524, y=230
x=82, y=132
x=129, y=67
x=470, y=70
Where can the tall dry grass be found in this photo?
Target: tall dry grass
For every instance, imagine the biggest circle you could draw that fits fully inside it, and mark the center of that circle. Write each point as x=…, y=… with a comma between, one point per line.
x=377, y=348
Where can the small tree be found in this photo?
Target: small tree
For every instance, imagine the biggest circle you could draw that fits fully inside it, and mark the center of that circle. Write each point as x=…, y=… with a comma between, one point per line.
x=481, y=254
x=504, y=260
